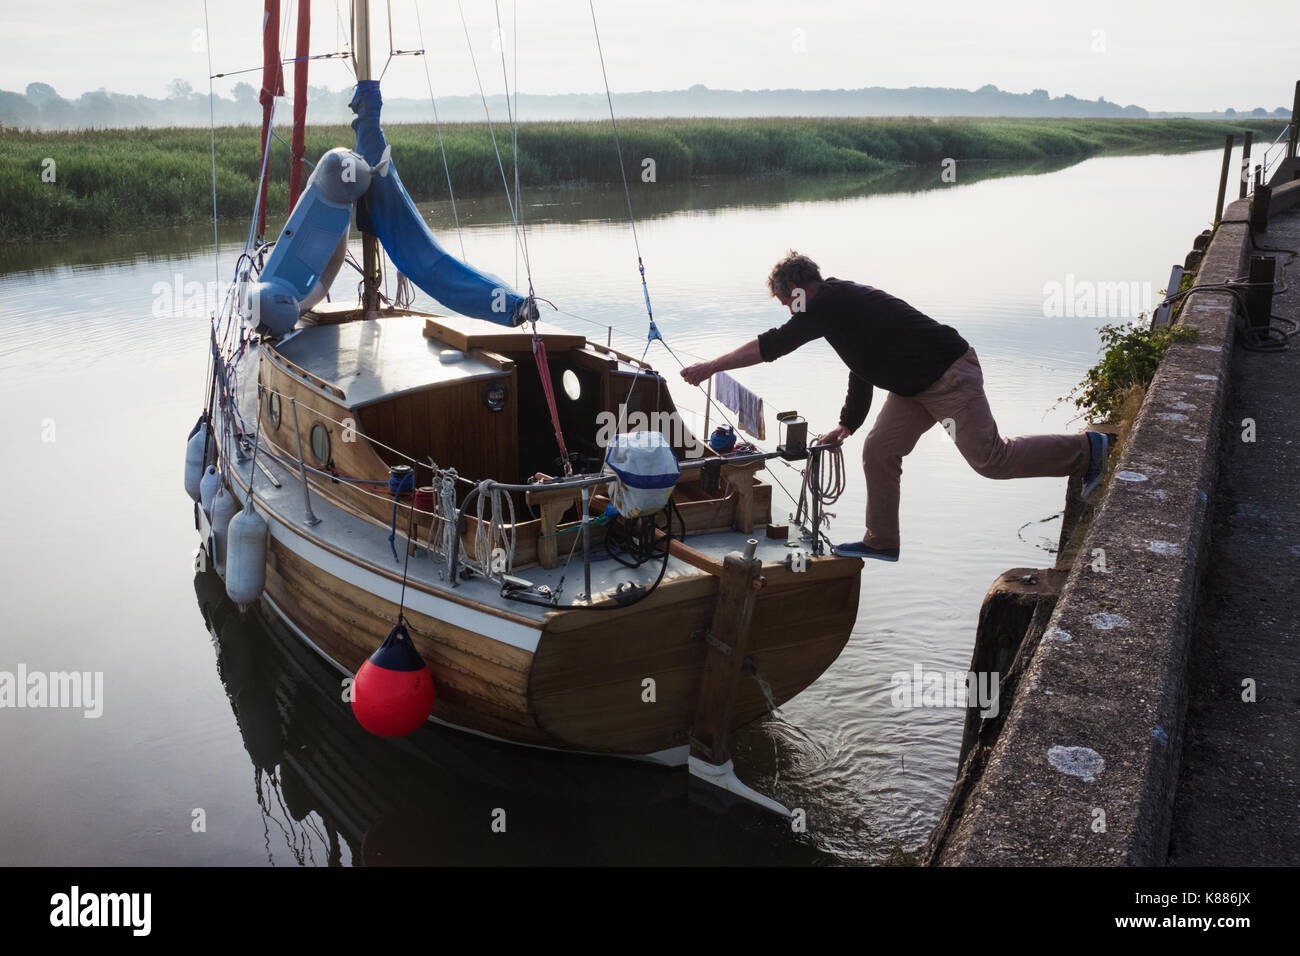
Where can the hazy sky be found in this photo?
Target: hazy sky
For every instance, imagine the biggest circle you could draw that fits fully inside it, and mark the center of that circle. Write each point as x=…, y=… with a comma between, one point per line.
x=1191, y=55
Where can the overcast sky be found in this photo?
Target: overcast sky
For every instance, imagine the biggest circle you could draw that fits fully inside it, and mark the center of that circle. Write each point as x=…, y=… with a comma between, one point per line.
x=1190, y=55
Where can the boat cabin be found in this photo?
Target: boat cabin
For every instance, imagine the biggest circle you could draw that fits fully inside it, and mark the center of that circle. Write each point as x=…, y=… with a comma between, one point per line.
x=468, y=395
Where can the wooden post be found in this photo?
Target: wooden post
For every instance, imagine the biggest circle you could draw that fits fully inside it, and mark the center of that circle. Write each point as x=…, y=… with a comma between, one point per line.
x=740, y=479
x=727, y=639
x=1245, y=164
x=1295, y=123
x=1223, y=179
x=552, y=505
x=708, y=404
x=1259, y=300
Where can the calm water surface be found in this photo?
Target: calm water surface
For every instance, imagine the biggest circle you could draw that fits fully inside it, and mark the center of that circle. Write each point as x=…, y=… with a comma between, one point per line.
x=101, y=377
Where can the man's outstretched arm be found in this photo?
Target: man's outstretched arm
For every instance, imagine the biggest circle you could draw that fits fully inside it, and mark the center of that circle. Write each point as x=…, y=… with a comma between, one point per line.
x=743, y=357
x=856, y=405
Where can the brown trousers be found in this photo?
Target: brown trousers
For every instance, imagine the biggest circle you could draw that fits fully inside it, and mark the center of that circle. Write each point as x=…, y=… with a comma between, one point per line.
x=957, y=400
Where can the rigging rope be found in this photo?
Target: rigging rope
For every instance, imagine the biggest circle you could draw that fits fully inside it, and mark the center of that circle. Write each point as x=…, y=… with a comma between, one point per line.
x=514, y=215
x=512, y=116
x=618, y=146
x=548, y=389
x=212, y=132
x=437, y=125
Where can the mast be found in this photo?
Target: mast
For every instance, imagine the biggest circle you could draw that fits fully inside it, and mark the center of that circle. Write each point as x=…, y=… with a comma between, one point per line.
x=369, y=242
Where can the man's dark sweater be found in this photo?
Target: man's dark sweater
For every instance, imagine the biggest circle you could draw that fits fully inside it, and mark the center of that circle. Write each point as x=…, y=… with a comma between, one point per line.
x=883, y=340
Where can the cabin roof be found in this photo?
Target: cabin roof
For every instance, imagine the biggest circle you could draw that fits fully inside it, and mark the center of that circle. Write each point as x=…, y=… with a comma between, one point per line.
x=370, y=360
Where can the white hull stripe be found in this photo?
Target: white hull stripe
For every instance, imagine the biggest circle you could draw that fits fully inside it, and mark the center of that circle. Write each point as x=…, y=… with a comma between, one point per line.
x=497, y=628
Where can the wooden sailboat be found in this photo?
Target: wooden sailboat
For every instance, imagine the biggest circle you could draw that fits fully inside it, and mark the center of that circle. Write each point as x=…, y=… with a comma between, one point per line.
x=405, y=467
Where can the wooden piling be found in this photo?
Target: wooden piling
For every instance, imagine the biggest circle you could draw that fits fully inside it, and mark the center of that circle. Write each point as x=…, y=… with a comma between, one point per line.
x=1295, y=123
x=1259, y=299
x=1223, y=179
x=1245, y=164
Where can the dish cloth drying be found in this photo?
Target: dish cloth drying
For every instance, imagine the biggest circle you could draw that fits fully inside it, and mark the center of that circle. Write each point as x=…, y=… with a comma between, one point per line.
x=737, y=398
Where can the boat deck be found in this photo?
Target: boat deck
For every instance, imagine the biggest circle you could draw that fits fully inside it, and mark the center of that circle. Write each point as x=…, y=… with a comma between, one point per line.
x=373, y=359
x=343, y=531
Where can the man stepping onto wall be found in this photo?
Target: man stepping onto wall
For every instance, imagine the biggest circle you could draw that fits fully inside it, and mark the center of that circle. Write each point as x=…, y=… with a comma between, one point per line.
x=930, y=374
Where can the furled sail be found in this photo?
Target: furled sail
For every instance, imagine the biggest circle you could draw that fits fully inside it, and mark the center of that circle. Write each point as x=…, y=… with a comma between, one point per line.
x=407, y=239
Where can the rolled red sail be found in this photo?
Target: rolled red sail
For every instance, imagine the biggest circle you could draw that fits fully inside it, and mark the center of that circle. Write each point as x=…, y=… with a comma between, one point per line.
x=300, y=100
x=272, y=86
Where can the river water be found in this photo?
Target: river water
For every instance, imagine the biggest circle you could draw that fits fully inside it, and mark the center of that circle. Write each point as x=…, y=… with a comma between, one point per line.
x=220, y=742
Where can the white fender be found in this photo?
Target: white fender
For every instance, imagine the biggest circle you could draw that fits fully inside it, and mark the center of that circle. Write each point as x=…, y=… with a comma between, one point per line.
x=208, y=486
x=196, y=450
x=224, y=508
x=246, y=539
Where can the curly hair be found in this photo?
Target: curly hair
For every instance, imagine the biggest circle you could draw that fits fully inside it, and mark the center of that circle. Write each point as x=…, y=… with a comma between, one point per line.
x=793, y=270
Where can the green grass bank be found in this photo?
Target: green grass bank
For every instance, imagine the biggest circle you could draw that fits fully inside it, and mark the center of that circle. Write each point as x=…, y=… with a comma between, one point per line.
x=131, y=179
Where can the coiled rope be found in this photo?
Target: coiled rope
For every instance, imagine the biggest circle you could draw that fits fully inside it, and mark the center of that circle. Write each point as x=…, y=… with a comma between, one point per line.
x=490, y=534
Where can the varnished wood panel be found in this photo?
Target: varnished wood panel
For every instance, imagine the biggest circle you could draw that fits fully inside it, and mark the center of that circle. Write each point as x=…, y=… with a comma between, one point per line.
x=465, y=334
x=586, y=685
x=481, y=683
x=451, y=424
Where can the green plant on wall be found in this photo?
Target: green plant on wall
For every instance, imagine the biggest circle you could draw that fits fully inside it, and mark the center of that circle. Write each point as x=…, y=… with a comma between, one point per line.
x=1132, y=353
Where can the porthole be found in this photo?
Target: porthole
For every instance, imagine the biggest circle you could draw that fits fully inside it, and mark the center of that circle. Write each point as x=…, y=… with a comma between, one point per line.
x=572, y=387
x=273, y=408
x=320, y=444
x=494, y=396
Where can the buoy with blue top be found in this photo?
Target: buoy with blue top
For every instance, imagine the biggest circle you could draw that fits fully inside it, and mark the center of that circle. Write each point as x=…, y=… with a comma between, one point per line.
x=393, y=693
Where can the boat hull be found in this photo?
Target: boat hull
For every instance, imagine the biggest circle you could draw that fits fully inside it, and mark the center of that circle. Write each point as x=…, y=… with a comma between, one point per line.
x=622, y=682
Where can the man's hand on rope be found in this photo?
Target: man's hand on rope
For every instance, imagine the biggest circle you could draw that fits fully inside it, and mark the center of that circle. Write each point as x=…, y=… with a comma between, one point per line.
x=835, y=436
x=694, y=374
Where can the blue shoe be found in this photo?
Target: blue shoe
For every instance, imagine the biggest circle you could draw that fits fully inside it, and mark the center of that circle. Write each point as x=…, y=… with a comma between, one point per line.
x=856, y=549
x=1100, y=443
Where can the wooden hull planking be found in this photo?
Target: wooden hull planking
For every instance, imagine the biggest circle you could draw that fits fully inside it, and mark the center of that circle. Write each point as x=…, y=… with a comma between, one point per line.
x=583, y=687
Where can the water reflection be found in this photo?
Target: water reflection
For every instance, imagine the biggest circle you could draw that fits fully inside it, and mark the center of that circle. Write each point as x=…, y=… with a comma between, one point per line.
x=331, y=794
x=575, y=204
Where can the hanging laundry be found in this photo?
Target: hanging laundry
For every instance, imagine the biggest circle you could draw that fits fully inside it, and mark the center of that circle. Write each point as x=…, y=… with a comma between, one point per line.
x=742, y=401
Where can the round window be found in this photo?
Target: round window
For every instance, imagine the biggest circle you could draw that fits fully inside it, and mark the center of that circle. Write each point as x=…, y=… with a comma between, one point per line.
x=320, y=443
x=494, y=396
x=572, y=387
x=273, y=408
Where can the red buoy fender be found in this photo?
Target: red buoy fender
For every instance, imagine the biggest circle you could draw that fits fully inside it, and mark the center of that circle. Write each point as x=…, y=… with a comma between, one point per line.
x=393, y=693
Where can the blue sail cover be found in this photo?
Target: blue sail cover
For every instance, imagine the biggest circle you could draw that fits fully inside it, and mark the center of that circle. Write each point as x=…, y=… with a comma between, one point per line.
x=409, y=243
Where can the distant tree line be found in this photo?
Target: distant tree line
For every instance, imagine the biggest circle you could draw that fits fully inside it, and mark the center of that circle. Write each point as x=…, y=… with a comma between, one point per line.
x=41, y=107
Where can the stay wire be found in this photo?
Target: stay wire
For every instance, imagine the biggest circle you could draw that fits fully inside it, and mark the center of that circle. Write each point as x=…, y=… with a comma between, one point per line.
x=514, y=216
x=627, y=193
x=512, y=116
x=437, y=125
